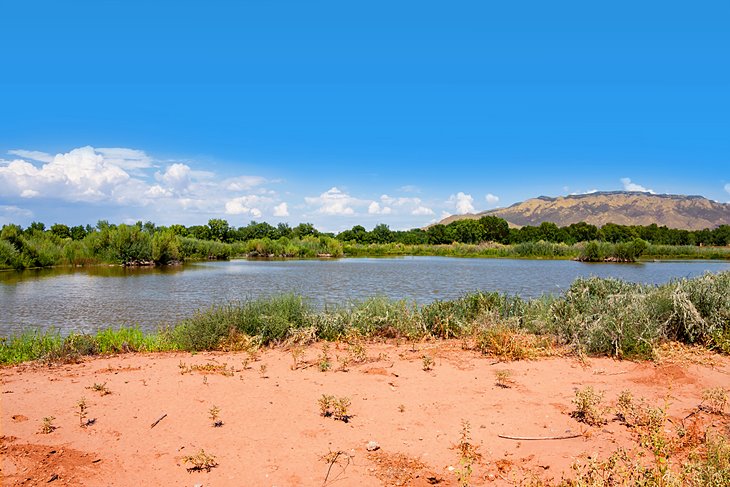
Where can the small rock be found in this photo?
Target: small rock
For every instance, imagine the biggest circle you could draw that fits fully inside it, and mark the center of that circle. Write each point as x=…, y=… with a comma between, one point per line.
x=372, y=446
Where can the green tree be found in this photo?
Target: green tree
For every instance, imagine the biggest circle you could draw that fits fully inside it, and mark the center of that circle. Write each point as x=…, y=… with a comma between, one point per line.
x=495, y=229
x=218, y=229
x=61, y=230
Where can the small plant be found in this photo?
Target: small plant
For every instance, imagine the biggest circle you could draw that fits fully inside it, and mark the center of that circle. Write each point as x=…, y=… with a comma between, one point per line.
x=296, y=354
x=428, y=363
x=325, y=363
x=200, y=461
x=47, y=426
x=503, y=378
x=468, y=454
x=402, y=408
x=214, y=412
x=102, y=389
x=337, y=408
x=356, y=352
x=714, y=400
x=588, y=408
x=262, y=371
x=206, y=369
x=82, y=412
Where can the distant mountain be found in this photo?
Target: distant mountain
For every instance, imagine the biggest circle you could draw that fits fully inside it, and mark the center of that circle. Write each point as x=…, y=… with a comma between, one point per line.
x=620, y=207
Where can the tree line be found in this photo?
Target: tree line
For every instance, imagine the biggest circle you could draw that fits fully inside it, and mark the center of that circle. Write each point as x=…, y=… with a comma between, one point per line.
x=38, y=246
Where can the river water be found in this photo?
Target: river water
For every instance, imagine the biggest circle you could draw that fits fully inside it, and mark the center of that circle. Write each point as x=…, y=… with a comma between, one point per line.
x=98, y=297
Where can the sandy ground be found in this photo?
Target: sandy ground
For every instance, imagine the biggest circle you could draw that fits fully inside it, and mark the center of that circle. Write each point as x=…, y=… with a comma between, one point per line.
x=274, y=435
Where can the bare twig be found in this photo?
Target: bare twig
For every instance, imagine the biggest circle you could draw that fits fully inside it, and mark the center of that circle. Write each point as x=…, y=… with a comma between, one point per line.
x=536, y=438
x=158, y=420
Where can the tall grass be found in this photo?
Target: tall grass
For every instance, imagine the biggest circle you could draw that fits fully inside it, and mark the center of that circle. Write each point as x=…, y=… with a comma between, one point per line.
x=594, y=316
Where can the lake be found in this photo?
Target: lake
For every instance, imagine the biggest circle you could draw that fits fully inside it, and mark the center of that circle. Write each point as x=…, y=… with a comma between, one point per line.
x=87, y=299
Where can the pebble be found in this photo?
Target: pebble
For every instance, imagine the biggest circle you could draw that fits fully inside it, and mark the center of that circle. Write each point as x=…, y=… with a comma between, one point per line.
x=372, y=446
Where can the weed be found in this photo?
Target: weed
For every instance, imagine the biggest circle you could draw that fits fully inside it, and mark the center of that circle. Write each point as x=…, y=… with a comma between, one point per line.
x=337, y=408
x=206, y=369
x=356, y=352
x=262, y=371
x=200, y=461
x=402, y=408
x=82, y=412
x=588, y=407
x=47, y=426
x=428, y=363
x=102, y=389
x=325, y=363
x=296, y=353
x=213, y=413
x=714, y=400
x=503, y=378
x=468, y=455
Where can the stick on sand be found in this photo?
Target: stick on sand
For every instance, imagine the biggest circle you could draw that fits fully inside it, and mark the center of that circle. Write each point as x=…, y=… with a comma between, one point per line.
x=535, y=438
x=158, y=420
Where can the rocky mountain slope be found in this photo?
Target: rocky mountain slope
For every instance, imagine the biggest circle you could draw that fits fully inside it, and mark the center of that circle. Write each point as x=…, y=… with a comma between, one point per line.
x=621, y=207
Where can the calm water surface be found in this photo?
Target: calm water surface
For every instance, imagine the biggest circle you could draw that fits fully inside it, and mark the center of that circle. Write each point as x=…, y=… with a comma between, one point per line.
x=89, y=299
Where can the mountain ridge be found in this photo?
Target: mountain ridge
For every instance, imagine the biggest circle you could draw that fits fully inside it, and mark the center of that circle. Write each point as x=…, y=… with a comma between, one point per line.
x=689, y=212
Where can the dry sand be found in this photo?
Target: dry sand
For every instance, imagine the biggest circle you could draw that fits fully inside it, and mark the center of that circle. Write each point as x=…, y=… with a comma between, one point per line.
x=273, y=433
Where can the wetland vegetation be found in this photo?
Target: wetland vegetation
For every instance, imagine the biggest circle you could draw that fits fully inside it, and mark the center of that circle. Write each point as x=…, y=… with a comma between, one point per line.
x=594, y=316
x=147, y=243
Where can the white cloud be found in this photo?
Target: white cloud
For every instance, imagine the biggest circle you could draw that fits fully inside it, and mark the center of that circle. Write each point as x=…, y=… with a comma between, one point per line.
x=727, y=187
x=128, y=159
x=422, y=211
x=334, y=202
x=281, y=209
x=629, y=186
x=174, y=193
x=445, y=214
x=79, y=175
x=11, y=214
x=464, y=203
x=409, y=188
x=33, y=155
x=245, y=205
x=491, y=199
x=375, y=209
x=176, y=176
x=243, y=183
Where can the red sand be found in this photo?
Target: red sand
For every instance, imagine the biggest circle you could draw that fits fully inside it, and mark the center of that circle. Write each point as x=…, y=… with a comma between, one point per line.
x=273, y=433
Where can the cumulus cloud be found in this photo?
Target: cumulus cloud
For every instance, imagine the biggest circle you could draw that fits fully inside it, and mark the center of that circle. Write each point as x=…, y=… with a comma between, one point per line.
x=464, y=203
x=131, y=178
x=727, y=187
x=334, y=202
x=79, y=175
x=246, y=205
x=282, y=209
x=491, y=199
x=177, y=177
x=630, y=186
x=375, y=209
x=422, y=211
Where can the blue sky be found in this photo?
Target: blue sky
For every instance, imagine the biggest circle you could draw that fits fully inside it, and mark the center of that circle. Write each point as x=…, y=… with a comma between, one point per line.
x=343, y=113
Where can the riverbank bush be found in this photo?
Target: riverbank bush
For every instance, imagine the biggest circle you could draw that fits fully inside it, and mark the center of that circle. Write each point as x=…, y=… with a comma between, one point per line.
x=594, y=316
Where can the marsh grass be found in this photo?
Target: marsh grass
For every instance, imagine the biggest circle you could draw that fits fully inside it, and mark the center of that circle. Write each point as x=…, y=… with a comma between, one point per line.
x=594, y=316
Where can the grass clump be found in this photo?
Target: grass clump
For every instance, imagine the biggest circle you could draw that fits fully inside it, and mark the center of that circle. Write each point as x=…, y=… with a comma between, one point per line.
x=200, y=461
x=589, y=407
x=47, y=425
x=337, y=408
x=714, y=400
x=503, y=378
x=102, y=389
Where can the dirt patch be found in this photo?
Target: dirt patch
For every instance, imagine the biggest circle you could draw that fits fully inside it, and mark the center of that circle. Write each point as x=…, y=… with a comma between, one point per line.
x=273, y=431
x=30, y=464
